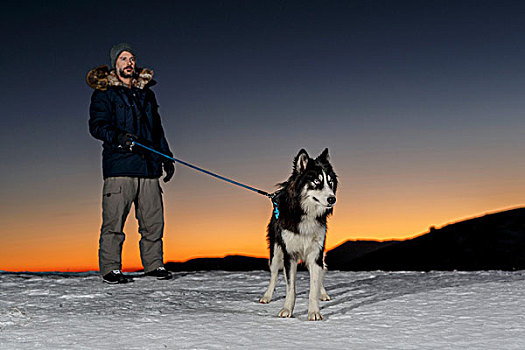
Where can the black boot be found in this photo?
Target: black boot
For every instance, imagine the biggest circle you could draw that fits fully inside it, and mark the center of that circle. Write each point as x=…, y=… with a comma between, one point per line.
x=161, y=273
x=115, y=277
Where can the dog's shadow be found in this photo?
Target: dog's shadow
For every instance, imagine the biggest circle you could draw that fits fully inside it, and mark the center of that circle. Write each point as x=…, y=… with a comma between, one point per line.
x=347, y=296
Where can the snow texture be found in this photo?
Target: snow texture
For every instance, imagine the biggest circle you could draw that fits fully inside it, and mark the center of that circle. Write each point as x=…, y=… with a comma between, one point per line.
x=219, y=310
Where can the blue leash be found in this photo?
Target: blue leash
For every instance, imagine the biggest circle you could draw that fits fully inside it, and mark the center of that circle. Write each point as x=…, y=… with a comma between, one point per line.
x=270, y=195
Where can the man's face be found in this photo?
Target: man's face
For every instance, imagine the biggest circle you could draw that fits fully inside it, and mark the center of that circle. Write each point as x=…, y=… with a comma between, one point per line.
x=125, y=64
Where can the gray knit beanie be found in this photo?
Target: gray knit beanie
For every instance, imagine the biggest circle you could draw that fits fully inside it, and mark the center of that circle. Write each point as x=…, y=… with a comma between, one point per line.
x=116, y=50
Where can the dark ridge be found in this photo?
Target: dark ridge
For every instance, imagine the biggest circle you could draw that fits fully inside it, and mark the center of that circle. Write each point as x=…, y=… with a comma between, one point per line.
x=228, y=263
x=491, y=242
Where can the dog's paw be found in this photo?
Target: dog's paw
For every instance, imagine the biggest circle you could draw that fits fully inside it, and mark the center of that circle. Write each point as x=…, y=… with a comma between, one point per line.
x=265, y=300
x=314, y=316
x=285, y=313
x=325, y=297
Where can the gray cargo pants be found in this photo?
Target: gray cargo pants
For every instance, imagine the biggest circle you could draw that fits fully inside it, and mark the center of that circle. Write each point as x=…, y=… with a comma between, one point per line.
x=119, y=194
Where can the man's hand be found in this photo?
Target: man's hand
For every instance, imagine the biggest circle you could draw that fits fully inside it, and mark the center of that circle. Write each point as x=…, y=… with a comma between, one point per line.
x=125, y=139
x=169, y=169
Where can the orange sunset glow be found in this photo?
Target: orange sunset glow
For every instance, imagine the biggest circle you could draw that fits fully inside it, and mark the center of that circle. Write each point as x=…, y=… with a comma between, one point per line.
x=230, y=220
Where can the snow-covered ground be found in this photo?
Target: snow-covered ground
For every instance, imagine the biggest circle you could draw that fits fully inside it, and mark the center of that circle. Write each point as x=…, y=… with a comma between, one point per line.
x=218, y=310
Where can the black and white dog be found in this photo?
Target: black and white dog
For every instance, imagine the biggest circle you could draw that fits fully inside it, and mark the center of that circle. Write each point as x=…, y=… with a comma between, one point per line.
x=297, y=230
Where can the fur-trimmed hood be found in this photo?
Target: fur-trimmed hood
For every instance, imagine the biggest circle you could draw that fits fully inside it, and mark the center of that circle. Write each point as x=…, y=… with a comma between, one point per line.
x=101, y=77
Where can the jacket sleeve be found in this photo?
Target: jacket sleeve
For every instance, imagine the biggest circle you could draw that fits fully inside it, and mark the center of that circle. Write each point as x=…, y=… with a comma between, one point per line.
x=101, y=125
x=163, y=143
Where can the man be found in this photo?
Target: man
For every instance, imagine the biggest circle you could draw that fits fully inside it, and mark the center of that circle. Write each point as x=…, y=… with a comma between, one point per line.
x=124, y=109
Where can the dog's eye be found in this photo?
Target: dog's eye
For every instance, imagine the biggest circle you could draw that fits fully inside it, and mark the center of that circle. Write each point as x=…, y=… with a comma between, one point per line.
x=316, y=182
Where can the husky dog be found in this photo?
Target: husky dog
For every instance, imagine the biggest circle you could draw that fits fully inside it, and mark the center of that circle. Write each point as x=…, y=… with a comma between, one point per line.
x=297, y=230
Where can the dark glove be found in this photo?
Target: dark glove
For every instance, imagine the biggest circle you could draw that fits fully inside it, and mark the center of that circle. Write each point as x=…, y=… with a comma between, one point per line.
x=169, y=169
x=125, y=139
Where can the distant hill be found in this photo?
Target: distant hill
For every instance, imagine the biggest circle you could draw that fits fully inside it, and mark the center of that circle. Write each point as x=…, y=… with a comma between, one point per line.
x=228, y=263
x=491, y=242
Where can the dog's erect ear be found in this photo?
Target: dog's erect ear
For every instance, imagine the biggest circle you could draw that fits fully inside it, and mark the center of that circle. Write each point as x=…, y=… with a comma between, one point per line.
x=301, y=161
x=324, y=157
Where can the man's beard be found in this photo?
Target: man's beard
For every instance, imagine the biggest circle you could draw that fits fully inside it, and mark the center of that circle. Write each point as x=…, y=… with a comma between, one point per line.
x=123, y=74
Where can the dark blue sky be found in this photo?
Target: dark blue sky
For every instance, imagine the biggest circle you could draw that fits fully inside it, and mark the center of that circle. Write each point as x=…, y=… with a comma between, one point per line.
x=260, y=66
x=420, y=102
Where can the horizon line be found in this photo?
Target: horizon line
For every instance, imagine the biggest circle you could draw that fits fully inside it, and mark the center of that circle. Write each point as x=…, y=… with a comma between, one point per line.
x=222, y=256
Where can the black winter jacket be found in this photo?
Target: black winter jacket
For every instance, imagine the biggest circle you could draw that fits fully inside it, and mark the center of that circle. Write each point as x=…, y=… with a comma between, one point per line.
x=115, y=109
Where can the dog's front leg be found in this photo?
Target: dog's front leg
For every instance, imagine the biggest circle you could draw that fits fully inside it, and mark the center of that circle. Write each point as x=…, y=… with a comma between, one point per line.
x=316, y=279
x=290, y=273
